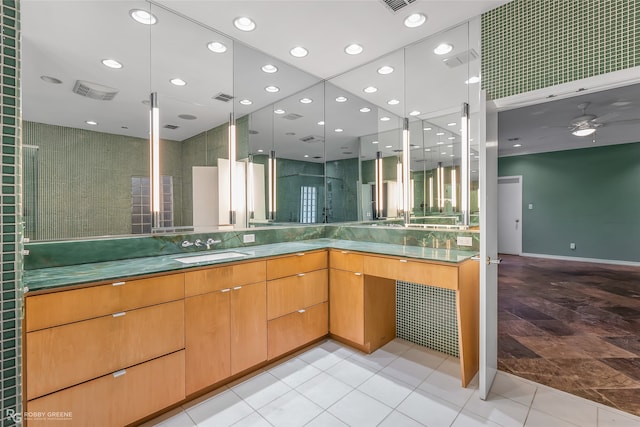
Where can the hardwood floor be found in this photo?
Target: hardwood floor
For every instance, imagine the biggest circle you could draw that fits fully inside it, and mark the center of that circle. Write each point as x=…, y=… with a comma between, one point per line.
x=572, y=326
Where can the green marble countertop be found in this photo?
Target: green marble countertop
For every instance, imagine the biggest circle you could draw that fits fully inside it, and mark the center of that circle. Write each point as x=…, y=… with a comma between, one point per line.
x=56, y=277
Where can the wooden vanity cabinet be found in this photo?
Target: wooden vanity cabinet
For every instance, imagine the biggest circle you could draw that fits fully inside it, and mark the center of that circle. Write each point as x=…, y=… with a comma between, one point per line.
x=297, y=301
x=362, y=308
x=226, y=322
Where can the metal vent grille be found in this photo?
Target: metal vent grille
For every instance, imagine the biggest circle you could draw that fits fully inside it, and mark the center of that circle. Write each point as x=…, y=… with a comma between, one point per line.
x=94, y=90
x=312, y=138
x=224, y=97
x=171, y=127
x=461, y=58
x=292, y=116
x=396, y=5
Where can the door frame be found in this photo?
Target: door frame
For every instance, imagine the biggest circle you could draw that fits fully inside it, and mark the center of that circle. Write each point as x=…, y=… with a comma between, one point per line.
x=519, y=205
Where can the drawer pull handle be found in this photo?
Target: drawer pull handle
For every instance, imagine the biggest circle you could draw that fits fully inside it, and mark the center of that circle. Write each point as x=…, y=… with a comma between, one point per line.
x=301, y=310
x=300, y=254
x=118, y=283
x=225, y=290
x=403, y=260
x=358, y=274
x=122, y=313
x=237, y=287
x=300, y=274
x=120, y=373
x=344, y=252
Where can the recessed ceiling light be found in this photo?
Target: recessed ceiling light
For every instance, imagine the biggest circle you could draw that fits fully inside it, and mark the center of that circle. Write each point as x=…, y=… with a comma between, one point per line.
x=584, y=132
x=306, y=156
x=427, y=149
x=341, y=99
x=444, y=152
x=385, y=69
x=187, y=116
x=388, y=146
x=451, y=124
x=320, y=123
x=353, y=49
x=299, y=52
x=450, y=146
x=143, y=17
x=440, y=133
x=338, y=130
x=217, y=47
x=279, y=111
x=92, y=122
x=477, y=157
x=517, y=145
x=414, y=113
x=260, y=150
x=244, y=23
x=306, y=100
x=370, y=89
x=440, y=142
x=111, y=63
x=374, y=142
x=452, y=155
x=426, y=128
x=472, y=80
x=393, y=102
x=178, y=82
x=269, y=68
x=50, y=79
x=415, y=20
x=452, y=137
x=365, y=109
x=272, y=89
x=443, y=49
x=246, y=102
x=384, y=119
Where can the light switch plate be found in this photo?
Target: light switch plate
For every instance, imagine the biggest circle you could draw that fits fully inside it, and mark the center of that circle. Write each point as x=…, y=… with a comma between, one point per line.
x=530, y=205
x=465, y=241
x=248, y=238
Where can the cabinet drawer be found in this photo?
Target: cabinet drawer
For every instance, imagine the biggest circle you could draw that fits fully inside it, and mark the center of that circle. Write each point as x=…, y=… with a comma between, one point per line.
x=289, y=332
x=70, y=354
x=301, y=262
x=117, y=399
x=226, y=276
x=292, y=293
x=346, y=260
x=59, y=308
x=412, y=271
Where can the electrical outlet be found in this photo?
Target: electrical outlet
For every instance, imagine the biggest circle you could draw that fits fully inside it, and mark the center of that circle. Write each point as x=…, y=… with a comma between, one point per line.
x=530, y=206
x=572, y=246
x=248, y=238
x=465, y=241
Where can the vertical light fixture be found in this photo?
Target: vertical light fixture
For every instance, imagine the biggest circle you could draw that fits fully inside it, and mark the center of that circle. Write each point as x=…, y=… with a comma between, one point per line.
x=154, y=148
x=250, y=189
x=406, y=206
x=232, y=167
x=440, y=185
x=399, y=188
x=454, y=189
x=379, y=179
x=430, y=193
x=272, y=185
x=464, y=166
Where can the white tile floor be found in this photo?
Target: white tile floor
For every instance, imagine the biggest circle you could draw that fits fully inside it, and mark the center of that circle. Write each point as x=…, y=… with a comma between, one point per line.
x=401, y=384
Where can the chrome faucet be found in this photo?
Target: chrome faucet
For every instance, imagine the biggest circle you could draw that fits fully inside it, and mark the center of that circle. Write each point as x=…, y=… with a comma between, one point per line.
x=186, y=244
x=198, y=243
x=210, y=242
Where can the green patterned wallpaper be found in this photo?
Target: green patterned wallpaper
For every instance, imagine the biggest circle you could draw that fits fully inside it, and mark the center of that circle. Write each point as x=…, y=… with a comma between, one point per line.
x=533, y=44
x=11, y=265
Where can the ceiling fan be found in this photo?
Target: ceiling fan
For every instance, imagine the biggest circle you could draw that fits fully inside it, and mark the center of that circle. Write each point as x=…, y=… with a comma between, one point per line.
x=585, y=124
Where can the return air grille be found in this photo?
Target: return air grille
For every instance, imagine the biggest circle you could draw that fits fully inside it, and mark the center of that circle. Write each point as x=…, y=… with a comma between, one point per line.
x=292, y=116
x=171, y=127
x=461, y=58
x=94, y=90
x=223, y=97
x=396, y=5
x=312, y=138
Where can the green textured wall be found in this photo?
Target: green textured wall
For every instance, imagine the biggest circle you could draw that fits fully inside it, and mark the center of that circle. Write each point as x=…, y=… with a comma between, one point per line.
x=10, y=221
x=533, y=44
x=84, y=179
x=342, y=190
x=589, y=196
x=291, y=175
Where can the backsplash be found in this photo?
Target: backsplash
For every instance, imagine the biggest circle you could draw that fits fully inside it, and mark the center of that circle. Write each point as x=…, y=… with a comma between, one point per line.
x=74, y=252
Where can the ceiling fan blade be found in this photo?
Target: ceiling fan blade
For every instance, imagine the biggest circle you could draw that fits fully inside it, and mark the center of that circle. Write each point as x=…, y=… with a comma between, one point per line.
x=606, y=117
x=628, y=121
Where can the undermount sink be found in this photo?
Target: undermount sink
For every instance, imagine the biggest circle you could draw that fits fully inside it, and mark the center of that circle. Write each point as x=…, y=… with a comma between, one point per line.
x=211, y=257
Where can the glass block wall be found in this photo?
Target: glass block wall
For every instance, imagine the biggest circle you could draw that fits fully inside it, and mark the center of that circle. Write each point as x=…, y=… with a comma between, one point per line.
x=529, y=45
x=10, y=266
x=426, y=315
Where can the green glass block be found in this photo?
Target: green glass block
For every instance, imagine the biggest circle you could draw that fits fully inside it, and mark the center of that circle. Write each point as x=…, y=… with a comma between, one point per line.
x=8, y=200
x=8, y=130
x=8, y=228
x=8, y=160
x=10, y=179
x=8, y=149
x=8, y=189
x=10, y=81
x=9, y=41
x=9, y=120
x=8, y=248
x=8, y=100
x=9, y=51
x=9, y=12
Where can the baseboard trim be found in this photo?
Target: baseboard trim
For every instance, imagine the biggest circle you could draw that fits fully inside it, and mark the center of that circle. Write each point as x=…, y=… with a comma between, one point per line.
x=580, y=259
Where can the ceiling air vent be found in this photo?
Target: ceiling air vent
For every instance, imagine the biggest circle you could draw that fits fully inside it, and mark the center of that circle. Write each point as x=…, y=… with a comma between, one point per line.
x=312, y=138
x=396, y=5
x=461, y=58
x=223, y=97
x=292, y=116
x=172, y=127
x=94, y=90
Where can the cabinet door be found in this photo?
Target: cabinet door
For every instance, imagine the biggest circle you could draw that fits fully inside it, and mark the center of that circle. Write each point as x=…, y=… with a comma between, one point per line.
x=292, y=293
x=346, y=298
x=208, y=338
x=248, y=326
x=117, y=399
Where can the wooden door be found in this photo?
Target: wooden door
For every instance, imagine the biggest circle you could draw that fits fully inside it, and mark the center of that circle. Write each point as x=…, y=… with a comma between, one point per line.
x=248, y=326
x=346, y=299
